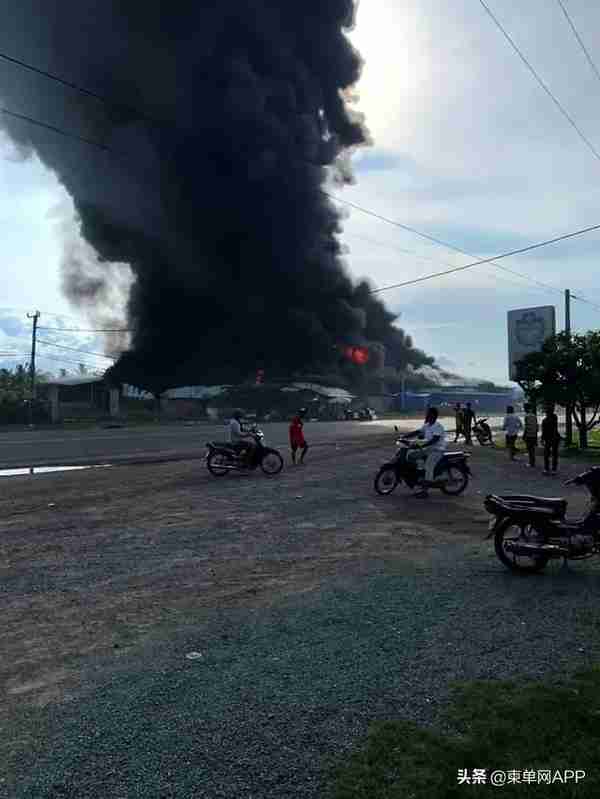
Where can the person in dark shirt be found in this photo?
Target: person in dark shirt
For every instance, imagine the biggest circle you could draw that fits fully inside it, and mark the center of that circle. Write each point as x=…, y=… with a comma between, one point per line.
x=550, y=439
x=468, y=421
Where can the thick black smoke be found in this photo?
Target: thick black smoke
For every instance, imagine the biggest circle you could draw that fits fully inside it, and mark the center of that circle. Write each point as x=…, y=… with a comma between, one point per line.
x=216, y=204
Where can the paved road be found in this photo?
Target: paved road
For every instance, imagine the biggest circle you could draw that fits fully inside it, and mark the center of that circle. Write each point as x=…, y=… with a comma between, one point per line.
x=70, y=447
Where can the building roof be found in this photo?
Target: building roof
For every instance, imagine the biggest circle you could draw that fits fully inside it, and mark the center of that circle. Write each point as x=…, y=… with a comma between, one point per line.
x=81, y=380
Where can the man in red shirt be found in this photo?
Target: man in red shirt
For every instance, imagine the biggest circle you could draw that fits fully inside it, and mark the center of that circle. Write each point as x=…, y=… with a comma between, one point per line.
x=297, y=440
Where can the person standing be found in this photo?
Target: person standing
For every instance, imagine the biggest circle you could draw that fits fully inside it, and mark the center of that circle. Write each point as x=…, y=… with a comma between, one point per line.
x=459, y=418
x=297, y=440
x=468, y=422
x=512, y=425
x=550, y=439
x=530, y=434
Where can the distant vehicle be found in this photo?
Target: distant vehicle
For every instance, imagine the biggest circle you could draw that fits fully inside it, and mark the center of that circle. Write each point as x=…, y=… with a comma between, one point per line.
x=367, y=415
x=483, y=433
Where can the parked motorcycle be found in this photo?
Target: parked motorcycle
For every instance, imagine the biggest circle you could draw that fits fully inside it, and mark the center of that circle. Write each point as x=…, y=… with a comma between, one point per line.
x=452, y=471
x=483, y=433
x=529, y=531
x=223, y=457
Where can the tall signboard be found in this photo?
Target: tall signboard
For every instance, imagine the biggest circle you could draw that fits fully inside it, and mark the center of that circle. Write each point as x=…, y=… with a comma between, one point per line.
x=528, y=328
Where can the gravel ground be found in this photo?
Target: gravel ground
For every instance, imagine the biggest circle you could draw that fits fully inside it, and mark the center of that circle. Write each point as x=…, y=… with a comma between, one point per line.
x=288, y=685
x=278, y=691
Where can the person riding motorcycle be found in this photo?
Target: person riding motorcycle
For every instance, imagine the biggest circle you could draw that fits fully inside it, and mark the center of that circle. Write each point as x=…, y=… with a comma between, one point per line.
x=431, y=451
x=239, y=438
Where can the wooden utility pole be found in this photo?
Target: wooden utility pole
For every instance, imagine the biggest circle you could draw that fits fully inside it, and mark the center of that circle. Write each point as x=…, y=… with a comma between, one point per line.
x=35, y=316
x=569, y=407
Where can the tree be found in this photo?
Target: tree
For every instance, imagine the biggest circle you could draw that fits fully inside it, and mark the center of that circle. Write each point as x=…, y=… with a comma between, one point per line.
x=566, y=370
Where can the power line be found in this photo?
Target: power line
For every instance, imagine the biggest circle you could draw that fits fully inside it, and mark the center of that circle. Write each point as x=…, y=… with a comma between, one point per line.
x=583, y=299
x=539, y=80
x=44, y=313
x=78, y=88
x=54, y=129
x=61, y=359
x=143, y=116
x=494, y=276
x=437, y=241
x=82, y=330
x=74, y=349
x=489, y=260
x=579, y=39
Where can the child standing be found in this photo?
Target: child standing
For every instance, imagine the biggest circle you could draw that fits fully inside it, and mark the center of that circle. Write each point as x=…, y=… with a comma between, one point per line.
x=530, y=434
x=512, y=425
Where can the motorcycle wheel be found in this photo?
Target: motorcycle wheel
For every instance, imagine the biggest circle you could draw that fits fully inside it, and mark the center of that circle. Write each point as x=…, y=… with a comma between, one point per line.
x=523, y=564
x=386, y=481
x=458, y=480
x=272, y=463
x=215, y=463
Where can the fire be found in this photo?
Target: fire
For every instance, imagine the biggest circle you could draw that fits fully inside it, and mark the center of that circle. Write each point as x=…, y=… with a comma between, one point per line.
x=358, y=355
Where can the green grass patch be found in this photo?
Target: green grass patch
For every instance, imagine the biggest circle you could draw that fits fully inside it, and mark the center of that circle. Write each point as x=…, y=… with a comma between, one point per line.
x=519, y=727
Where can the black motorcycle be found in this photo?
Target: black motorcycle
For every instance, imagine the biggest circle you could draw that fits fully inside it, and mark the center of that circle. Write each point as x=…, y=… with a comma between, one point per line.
x=483, y=433
x=451, y=473
x=529, y=531
x=223, y=457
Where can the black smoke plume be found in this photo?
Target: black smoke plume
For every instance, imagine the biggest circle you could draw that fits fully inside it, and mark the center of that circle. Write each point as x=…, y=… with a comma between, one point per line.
x=225, y=119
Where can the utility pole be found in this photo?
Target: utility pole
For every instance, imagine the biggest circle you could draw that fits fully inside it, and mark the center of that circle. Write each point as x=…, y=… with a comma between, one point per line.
x=568, y=409
x=35, y=316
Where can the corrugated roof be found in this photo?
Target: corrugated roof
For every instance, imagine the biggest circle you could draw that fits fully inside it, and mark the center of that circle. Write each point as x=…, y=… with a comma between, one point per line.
x=82, y=380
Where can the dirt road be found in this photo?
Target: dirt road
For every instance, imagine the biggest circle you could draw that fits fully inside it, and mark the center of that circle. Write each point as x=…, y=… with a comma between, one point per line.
x=100, y=566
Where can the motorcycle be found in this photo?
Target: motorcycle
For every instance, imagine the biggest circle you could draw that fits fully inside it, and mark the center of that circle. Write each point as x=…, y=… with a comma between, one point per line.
x=223, y=457
x=367, y=415
x=451, y=473
x=529, y=531
x=483, y=433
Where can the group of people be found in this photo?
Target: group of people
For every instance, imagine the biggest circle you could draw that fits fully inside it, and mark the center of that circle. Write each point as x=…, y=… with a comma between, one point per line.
x=530, y=429
x=464, y=419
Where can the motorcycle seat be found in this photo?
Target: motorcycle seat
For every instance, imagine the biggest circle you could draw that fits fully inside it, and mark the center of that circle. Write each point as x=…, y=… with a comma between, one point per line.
x=222, y=444
x=524, y=505
x=455, y=455
x=557, y=503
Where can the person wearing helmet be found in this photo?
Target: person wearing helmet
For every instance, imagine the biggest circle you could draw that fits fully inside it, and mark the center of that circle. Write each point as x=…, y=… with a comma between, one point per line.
x=238, y=436
x=297, y=440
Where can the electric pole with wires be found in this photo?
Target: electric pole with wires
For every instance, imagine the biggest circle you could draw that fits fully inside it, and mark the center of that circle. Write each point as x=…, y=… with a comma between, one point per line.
x=35, y=316
x=569, y=408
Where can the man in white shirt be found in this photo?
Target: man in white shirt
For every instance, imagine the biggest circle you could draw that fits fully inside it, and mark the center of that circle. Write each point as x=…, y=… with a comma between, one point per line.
x=432, y=450
x=512, y=425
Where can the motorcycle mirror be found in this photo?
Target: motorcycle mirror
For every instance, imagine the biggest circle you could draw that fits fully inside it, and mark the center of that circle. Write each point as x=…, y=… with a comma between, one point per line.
x=396, y=428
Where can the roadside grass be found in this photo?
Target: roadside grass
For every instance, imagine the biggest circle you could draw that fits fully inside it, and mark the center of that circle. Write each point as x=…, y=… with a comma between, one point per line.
x=522, y=727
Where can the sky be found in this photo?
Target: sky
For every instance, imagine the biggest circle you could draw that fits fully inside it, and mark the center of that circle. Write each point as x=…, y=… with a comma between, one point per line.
x=466, y=147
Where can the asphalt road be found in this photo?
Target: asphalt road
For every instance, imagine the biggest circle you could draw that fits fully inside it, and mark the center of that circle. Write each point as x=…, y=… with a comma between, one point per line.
x=71, y=447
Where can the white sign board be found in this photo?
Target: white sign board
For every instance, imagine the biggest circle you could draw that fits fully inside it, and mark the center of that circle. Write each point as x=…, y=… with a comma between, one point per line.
x=528, y=328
